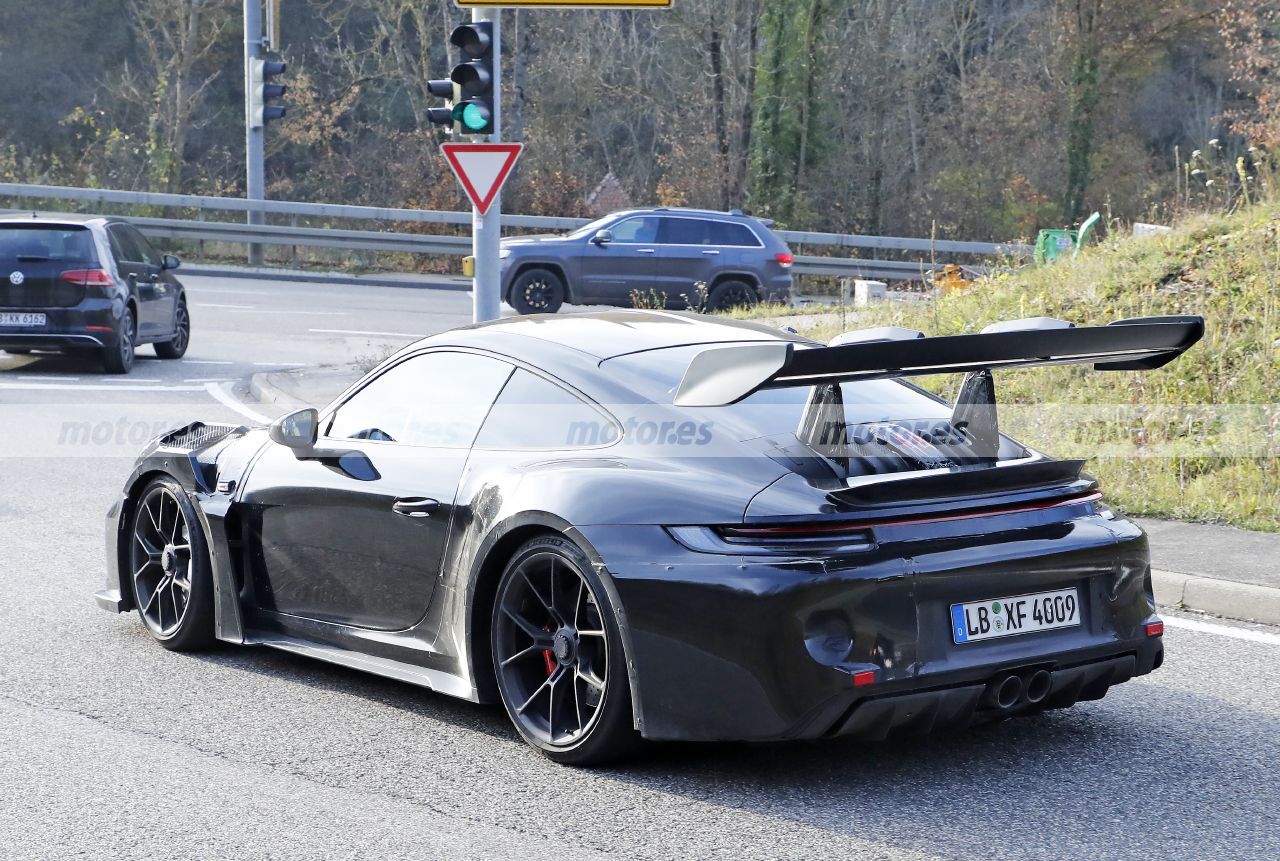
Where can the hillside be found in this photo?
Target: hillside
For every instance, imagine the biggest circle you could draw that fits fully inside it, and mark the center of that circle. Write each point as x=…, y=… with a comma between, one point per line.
x=1199, y=440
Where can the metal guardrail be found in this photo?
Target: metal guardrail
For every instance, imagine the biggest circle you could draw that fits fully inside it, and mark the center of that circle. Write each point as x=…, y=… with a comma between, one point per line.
x=377, y=240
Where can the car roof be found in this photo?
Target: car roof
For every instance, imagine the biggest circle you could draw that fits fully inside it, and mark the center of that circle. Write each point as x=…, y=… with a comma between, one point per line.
x=606, y=335
x=681, y=210
x=57, y=220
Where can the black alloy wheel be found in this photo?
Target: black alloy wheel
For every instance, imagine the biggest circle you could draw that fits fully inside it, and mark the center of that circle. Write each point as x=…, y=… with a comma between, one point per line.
x=558, y=656
x=538, y=291
x=169, y=568
x=118, y=357
x=731, y=294
x=177, y=348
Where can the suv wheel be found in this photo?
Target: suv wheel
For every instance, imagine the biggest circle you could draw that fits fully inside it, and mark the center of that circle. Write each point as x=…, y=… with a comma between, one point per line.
x=537, y=291
x=731, y=294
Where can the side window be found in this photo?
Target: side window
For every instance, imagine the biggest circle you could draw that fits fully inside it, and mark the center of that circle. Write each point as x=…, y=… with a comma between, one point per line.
x=685, y=231
x=636, y=231
x=532, y=413
x=122, y=245
x=437, y=400
x=735, y=235
x=147, y=254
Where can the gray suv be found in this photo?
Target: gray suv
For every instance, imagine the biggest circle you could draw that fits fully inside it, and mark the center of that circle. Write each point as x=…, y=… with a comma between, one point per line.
x=658, y=252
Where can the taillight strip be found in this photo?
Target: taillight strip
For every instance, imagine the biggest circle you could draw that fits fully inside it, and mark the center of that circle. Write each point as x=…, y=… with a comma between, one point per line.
x=854, y=526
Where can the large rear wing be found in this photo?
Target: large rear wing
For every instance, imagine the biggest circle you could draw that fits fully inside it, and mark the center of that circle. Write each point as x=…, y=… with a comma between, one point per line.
x=720, y=376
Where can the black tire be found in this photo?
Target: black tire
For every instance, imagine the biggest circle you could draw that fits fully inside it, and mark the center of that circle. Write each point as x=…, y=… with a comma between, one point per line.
x=177, y=348
x=550, y=681
x=172, y=587
x=731, y=294
x=118, y=357
x=538, y=291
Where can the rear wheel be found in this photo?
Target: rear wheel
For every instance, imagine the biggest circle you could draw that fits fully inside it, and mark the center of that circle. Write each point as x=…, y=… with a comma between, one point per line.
x=731, y=294
x=169, y=568
x=558, y=656
x=177, y=348
x=118, y=358
x=538, y=291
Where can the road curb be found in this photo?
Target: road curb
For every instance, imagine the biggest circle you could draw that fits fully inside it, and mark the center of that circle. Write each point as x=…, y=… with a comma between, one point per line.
x=265, y=391
x=1244, y=601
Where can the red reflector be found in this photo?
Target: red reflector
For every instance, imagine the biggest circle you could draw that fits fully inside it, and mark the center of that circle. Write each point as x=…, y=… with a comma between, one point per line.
x=785, y=260
x=861, y=680
x=1155, y=629
x=87, y=277
x=99, y=329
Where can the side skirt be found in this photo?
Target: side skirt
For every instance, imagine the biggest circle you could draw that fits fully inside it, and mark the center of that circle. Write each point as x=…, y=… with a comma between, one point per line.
x=434, y=680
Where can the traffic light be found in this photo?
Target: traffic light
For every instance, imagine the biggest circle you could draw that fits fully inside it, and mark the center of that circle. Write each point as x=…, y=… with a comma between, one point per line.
x=262, y=92
x=470, y=88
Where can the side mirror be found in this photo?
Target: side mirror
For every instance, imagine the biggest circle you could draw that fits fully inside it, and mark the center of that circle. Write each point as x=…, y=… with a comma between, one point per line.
x=298, y=430
x=602, y=237
x=170, y=262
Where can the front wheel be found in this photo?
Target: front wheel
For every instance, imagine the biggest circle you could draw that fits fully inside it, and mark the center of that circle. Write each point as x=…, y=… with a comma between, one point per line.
x=538, y=291
x=558, y=656
x=177, y=348
x=169, y=567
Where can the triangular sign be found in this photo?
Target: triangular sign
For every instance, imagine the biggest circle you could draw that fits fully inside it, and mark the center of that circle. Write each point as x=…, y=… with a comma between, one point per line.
x=482, y=168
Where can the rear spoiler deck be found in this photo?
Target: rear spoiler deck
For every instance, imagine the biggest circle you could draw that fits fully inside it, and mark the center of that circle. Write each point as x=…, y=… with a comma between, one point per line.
x=720, y=376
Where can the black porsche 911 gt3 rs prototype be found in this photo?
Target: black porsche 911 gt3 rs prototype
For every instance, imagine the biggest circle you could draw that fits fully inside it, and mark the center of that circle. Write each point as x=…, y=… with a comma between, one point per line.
x=660, y=525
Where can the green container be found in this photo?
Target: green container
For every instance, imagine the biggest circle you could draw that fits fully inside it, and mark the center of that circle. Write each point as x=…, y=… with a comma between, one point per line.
x=1052, y=244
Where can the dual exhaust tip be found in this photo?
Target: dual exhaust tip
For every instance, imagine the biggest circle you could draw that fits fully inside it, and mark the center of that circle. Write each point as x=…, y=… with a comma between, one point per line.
x=1005, y=692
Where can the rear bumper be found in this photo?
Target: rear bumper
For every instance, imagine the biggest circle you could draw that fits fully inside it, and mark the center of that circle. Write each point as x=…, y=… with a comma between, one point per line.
x=758, y=648
x=90, y=325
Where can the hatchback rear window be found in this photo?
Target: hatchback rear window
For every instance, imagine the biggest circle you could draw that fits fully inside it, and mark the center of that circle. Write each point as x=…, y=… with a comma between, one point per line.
x=38, y=243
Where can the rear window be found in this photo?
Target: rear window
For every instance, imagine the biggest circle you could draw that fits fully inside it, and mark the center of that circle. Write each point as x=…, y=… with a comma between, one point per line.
x=657, y=374
x=734, y=235
x=35, y=244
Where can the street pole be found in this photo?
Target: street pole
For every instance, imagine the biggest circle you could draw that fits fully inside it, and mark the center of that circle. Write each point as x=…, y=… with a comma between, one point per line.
x=487, y=228
x=255, y=186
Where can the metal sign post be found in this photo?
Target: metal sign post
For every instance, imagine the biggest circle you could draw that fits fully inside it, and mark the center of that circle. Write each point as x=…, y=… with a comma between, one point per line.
x=487, y=226
x=255, y=186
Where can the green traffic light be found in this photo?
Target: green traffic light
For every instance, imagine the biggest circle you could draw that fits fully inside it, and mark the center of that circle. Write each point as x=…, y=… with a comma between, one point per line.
x=475, y=117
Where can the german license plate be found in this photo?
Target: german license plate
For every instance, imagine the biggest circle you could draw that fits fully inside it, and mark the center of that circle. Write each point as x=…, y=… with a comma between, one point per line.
x=22, y=319
x=1007, y=617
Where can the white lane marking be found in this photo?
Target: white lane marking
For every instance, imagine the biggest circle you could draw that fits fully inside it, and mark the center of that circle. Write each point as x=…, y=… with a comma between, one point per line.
x=211, y=380
x=219, y=394
x=134, y=380
x=1225, y=631
x=45, y=379
x=89, y=387
x=279, y=364
x=226, y=307
x=360, y=332
x=295, y=313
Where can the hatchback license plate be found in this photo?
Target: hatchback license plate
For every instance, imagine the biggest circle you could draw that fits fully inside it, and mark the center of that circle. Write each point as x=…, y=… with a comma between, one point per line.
x=1006, y=617
x=22, y=319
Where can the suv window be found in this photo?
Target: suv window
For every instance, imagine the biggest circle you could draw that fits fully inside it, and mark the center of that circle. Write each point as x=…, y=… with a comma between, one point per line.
x=736, y=235
x=437, y=400
x=685, y=231
x=639, y=231
x=534, y=413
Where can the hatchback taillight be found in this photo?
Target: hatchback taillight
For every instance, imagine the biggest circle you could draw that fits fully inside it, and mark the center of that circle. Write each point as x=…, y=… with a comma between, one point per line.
x=785, y=260
x=88, y=277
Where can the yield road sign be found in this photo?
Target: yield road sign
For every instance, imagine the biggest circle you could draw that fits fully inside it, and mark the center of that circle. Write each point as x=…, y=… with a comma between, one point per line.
x=482, y=168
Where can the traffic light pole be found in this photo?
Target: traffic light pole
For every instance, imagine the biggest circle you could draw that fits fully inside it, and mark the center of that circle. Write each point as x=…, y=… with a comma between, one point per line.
x=487, y=228
x=255, y=186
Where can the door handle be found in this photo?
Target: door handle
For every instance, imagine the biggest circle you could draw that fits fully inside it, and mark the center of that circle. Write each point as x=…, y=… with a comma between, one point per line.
x=646, y=251
x=416, y=507
x=711, y=252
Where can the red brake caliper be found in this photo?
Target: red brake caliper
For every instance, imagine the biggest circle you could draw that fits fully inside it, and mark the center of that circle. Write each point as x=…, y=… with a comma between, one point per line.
x=548, y=657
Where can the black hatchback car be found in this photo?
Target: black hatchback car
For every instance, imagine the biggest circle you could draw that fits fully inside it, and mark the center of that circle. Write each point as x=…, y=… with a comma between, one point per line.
x=92, y=284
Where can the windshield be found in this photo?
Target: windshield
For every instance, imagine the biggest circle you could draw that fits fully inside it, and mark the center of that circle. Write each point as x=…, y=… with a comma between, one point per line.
x=591, y=229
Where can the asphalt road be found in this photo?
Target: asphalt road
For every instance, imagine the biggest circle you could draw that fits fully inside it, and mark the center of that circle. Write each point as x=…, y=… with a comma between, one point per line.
x=112, y=747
